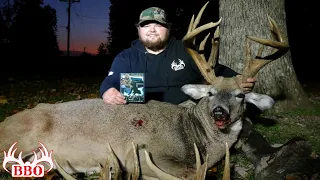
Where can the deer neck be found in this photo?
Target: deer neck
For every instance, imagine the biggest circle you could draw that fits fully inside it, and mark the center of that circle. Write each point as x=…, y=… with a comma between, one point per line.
x=197, y=127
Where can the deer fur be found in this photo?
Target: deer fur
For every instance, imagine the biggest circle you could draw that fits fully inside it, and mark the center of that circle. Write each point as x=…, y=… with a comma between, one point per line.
x=78, y=131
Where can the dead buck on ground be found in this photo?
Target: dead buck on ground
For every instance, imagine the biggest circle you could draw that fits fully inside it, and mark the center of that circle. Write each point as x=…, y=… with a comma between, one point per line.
x=79, y=131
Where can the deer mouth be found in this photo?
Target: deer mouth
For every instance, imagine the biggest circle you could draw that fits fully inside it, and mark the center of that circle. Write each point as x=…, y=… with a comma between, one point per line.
x=221, y=117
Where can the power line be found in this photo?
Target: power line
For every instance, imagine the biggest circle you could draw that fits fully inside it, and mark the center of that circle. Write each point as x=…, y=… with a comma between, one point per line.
x=82, y=22
x=68, y=26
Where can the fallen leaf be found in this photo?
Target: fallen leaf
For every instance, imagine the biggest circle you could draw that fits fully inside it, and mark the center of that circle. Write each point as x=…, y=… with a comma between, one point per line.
x=214, y=169
x=314, y=155
x=3, y=100
x=78, y=97
x=32, y=105
x=292, y=177
x=92, y=95
x=15, y=111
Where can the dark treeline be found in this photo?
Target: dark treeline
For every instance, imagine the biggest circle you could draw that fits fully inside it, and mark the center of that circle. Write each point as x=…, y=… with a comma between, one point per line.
x=56, y=68
x=28, y=29
x=28, y=35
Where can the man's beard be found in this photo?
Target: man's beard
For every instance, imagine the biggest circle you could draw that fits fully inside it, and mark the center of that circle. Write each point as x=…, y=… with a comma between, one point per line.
x=157, y=45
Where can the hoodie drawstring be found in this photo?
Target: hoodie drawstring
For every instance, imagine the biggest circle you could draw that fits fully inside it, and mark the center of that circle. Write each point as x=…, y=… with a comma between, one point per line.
x=167, y=76
x=146, y=63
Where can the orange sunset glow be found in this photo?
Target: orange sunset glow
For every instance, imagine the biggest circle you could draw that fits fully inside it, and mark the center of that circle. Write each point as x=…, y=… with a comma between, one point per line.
x=89, y=23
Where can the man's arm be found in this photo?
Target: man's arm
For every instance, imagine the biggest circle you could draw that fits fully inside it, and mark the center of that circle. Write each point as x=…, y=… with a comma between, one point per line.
x=112, y=80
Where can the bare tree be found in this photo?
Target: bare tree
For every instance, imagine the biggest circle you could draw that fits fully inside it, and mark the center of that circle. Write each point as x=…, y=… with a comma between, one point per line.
x=249, y=17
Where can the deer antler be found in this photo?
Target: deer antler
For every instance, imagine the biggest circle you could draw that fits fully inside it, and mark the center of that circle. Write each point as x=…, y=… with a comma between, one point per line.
x=253, y=65
x=201, y=169
x=136, y=172
x=62, y=172
x=105, y=173
x=226, y=171
x=206, y=68
x=10, y=157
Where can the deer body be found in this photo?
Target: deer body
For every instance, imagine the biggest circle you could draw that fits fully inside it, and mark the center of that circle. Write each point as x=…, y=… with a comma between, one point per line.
x=78, y=131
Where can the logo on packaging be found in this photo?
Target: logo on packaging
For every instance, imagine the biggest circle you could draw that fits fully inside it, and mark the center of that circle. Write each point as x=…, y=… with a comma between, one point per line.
x=27, y=169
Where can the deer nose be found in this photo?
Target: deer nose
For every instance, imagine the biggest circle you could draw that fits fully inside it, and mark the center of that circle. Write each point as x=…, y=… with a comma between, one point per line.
x=219, y=112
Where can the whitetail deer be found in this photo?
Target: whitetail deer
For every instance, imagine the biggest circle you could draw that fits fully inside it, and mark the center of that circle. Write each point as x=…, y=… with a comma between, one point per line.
x=79, y=131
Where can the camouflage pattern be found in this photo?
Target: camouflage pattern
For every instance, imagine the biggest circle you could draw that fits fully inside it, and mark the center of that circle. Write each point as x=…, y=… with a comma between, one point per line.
x=153, y=14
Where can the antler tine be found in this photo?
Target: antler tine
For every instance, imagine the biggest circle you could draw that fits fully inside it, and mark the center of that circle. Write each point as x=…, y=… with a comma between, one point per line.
x=189, y=40
x=117, y=170
x=226, y=171
x=193, y=30
x=191, y=35
x=214, y=48
x=200, y=169
x=62, y=172
x=202, y=45
x=136, y=172
x=197, y=20
x=105, y=173
x=161, y=174
x=253, y=65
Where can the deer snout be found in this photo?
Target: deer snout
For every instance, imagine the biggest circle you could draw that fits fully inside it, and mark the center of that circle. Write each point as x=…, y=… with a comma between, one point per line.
x=220, y=113
x=221, y=116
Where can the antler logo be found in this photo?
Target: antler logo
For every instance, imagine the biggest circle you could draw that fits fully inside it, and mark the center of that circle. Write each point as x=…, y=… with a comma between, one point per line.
x=27, y=169
x=178, y=66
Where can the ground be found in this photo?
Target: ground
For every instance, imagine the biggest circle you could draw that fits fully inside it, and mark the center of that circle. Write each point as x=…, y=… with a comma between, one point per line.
x=16, y=95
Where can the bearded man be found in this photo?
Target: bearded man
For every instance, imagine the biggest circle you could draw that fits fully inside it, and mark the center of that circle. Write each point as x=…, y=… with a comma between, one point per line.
x=166, y=64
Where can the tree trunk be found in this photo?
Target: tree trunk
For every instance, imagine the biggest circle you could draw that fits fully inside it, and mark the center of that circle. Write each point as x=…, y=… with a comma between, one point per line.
x=249, y=17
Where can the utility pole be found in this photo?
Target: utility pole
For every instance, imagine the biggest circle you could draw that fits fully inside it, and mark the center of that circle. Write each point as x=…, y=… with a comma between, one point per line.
x=68, y=26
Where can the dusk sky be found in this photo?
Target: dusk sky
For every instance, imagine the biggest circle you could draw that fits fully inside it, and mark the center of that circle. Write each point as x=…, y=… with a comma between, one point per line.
x=88, y=23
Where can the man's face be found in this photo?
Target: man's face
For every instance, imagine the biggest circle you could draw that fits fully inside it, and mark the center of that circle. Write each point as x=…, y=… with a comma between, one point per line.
x=153, y=35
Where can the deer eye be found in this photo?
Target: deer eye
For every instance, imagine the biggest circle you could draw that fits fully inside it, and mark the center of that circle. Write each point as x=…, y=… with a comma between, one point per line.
x=210, y=93
x=240, y=95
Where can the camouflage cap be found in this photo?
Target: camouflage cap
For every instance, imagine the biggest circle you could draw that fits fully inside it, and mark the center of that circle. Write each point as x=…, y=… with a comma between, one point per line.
x=153, y=14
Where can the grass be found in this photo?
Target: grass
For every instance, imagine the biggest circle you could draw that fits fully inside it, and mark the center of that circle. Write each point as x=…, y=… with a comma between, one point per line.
x=17, y=96
x=301, y=126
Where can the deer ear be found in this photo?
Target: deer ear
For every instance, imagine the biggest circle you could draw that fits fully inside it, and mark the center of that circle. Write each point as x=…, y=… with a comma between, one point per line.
x=262, y=101
x=196, y=91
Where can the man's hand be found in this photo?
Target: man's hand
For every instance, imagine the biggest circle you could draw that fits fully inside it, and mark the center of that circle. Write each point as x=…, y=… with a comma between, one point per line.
x=113, y=96
x=248, y=85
